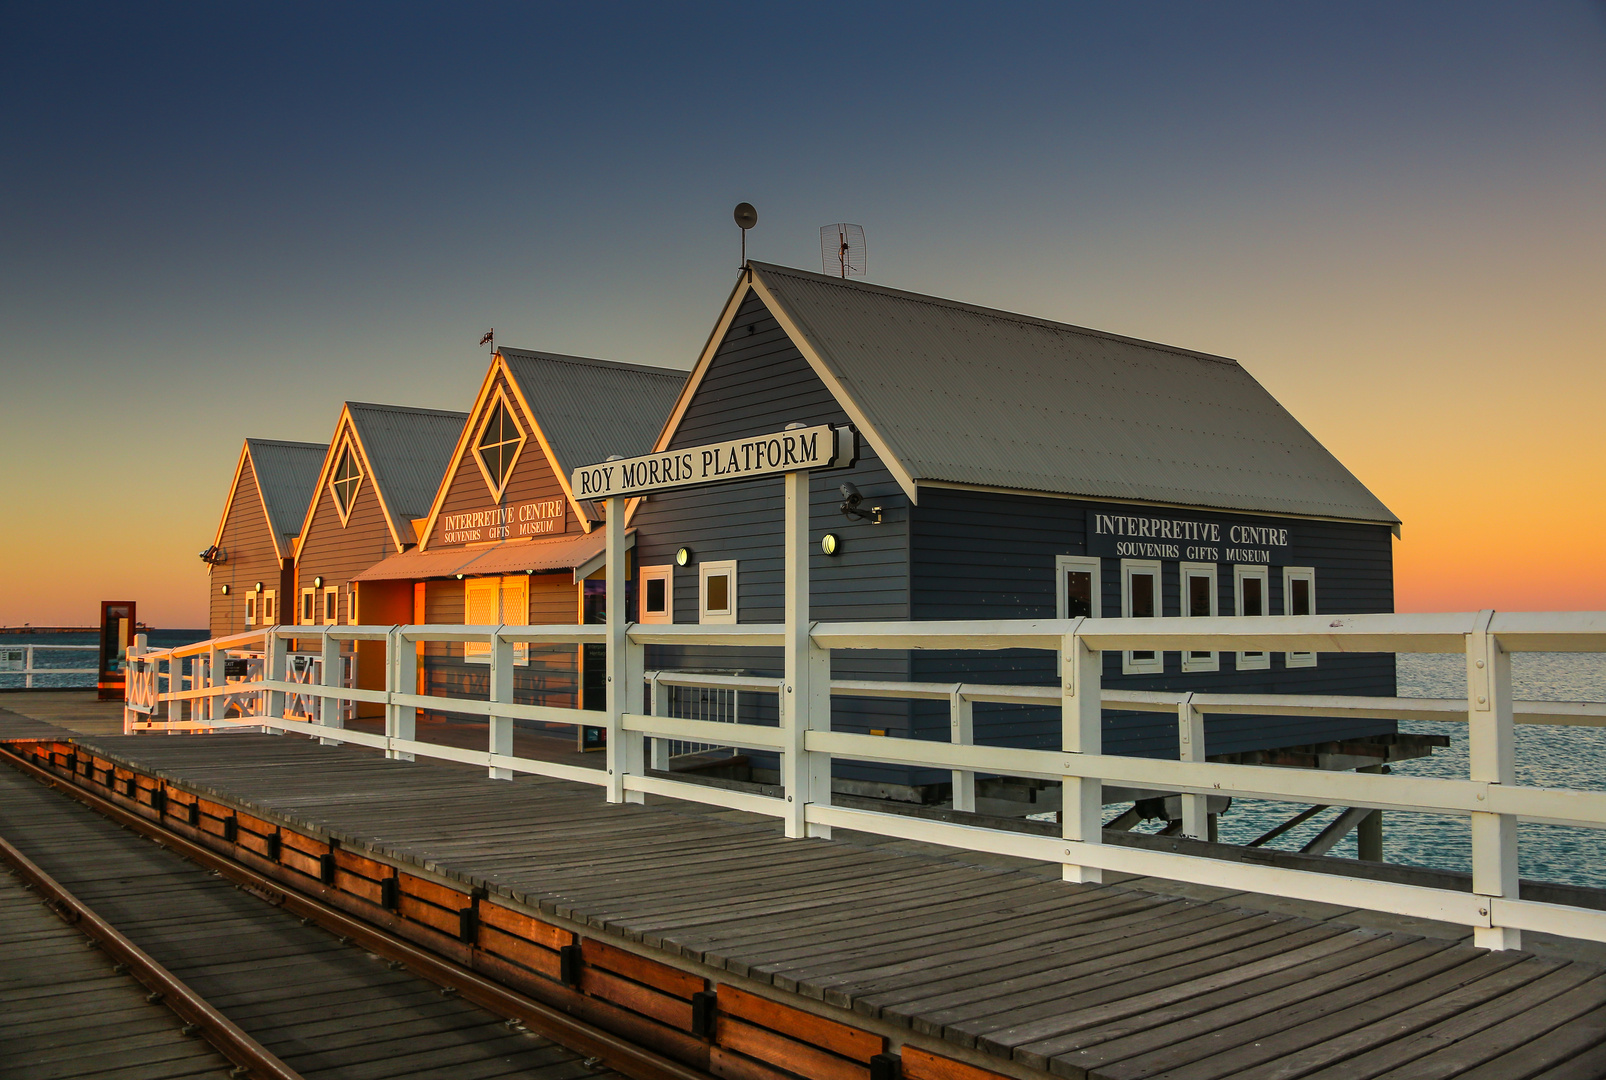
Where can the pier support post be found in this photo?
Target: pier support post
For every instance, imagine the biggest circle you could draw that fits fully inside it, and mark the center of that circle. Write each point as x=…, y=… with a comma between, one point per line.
x=1081, y=719
x=806, y=687
x=1491, y=745
x=500, y=728
x=1191, y=745
x=329, y=708
x=626, y=750
x=962, y=732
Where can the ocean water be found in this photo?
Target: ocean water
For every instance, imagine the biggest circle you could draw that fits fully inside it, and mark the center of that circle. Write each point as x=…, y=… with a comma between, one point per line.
x=82, y=659
x=1547, y=756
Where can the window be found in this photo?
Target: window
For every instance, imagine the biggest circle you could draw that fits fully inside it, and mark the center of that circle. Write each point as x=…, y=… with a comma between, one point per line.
x=498, y=445
x=496, y=601
x=309, y=607
x=1077, y=588
x=1249, y=587
x=657, y=594
x=351, y=606
x=1299, y=598
x=251, y=608
x=716, y=592
x=331, y=604
x=1140, y=599
x=1199, y=602
x=267, y=607
x=347, y=479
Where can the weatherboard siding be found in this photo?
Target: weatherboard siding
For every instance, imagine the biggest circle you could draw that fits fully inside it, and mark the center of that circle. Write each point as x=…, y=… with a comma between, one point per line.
x=247, y=541
x=756, y=383
x=984, y=555
x=337, y=552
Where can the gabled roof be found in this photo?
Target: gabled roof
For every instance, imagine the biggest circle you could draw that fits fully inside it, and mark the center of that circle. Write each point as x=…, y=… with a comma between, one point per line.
x=951, y=392
x=405, y=451
x=584, y=410
x=590, y=409
x=286, y=476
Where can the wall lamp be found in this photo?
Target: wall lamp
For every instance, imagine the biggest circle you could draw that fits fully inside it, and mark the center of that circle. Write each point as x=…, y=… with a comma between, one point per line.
x=830, y=543
x=683, y=556
x=258, y=586
x=317, y=582
x=225, y=590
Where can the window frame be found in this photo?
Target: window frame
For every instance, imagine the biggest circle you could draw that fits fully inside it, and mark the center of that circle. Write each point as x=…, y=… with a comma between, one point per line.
x=1292, y=574
x=1130, y=663
x=705, y=570
x=499, y=400
x=251, y=599
x=1091, y=564
x=1241, y=572
x=328, y=617
x=268, y=607
x=1192, y=660
x=352, y=592
x=348, y=450
x=666, y=574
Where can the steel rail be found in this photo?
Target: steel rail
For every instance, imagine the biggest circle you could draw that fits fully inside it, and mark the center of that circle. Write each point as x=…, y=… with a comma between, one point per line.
x=249, y=1055
x=619, y=1054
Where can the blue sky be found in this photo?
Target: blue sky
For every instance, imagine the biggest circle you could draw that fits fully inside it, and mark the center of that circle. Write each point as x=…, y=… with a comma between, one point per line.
x=223, y=220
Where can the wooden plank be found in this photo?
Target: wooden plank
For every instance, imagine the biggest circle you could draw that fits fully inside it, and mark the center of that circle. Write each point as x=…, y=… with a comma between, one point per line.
x=832, y=1035
x=921, y=1064
x=528, y=954
x=789, y=1054
x=665, y=1008
x=525, y=926
x=662, y=977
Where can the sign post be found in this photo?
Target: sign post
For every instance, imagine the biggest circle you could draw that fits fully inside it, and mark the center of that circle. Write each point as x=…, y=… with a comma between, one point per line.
x=806, y=689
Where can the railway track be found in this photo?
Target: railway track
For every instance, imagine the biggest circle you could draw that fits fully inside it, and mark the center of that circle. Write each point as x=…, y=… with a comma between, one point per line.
x=281, y=986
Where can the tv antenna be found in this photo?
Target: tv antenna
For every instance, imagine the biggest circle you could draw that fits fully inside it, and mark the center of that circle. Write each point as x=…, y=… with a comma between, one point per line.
x=746, y=218
x=842, y=250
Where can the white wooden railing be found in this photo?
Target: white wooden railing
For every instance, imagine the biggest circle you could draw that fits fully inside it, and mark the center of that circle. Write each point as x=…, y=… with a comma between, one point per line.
x=806, y=743
x=23, y=660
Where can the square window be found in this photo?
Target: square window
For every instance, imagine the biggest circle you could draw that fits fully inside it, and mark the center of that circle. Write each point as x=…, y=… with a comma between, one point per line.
x=1199, y=602
x=717, y=592
x=1299, y=598
x=1249, y=592
x=657, y=594
x=1140, y=599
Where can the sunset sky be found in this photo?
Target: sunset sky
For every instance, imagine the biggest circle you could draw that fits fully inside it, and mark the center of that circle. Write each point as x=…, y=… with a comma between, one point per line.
x=221, y=221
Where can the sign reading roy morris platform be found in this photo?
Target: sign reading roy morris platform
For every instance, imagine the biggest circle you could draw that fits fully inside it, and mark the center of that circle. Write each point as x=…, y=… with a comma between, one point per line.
x=1147, y=536
x=792, y=450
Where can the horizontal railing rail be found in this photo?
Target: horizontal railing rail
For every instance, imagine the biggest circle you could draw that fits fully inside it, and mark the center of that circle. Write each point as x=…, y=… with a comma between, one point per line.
x=807, y=745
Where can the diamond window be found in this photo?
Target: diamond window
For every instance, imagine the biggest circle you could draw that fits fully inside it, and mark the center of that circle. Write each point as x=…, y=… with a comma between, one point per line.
x=498, y=446
x=347, y=479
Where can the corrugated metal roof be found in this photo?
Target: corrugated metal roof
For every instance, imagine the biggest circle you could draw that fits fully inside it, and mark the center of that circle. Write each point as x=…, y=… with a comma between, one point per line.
x=590, y=409
x=513, y=557
x=287, y=475
x=974, y=396
x=408, y=450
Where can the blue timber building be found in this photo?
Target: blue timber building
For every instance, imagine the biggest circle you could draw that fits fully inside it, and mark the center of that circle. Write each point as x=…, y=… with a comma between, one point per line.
x=1021, y=469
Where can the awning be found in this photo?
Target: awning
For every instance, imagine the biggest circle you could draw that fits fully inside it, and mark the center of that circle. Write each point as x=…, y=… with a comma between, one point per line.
x=510, y=557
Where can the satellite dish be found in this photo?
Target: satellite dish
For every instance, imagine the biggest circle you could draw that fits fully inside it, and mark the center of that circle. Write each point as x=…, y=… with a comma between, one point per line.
x=842, y=250
x=746, y=216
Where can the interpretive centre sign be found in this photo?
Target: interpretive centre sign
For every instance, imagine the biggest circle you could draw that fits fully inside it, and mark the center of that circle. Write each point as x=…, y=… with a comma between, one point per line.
x=540, y=518
x=822, y=447
x=1146, y=536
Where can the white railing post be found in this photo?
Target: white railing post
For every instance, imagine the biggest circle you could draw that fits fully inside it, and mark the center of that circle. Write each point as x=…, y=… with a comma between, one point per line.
x=401, y=721
x=274, y=662
x=27, y=670
x=655, y=707
x=1081, y=719
x=1491, y=752
x=329, y=712
x=1191, y=741
x=962, y=732
x=501, y=727
x=621, y=693
x=133, y=669
x=806, y=688
x=175, y=683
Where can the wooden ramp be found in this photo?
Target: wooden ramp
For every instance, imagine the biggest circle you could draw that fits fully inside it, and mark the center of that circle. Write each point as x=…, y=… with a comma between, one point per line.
x=826, y=958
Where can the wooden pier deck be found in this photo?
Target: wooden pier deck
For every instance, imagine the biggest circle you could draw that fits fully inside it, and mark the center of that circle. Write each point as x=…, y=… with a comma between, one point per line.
x=966, y=966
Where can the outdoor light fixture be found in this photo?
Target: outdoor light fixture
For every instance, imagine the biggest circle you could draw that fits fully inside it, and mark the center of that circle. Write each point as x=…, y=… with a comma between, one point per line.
x=459, y=577
x=259, y=586
x=225, y=590
x=317, y=583
x=828, y=543
x=529, y=571
x=683, y=556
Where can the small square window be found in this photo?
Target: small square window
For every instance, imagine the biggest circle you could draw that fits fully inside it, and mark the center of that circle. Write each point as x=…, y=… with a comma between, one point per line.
x=1140, y=599
x=657, y=594
x=1199, y=602
x=1249, y=589
x=717, y=592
